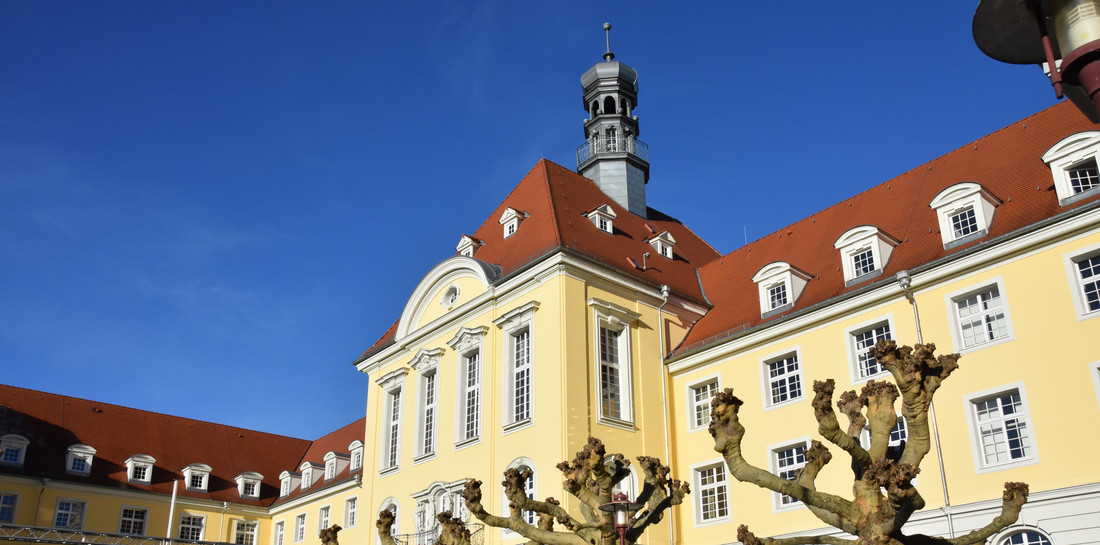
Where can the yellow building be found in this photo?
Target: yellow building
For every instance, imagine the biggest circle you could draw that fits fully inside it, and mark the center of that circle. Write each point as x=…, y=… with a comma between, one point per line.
x=578, y=310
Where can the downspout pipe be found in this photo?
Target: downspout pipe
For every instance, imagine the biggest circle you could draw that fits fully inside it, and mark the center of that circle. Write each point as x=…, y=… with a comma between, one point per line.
x=905, y=281
x=664, y=393
x=172, y=508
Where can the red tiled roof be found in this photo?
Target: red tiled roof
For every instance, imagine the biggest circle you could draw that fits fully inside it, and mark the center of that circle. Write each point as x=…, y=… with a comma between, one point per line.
x=53, y=423
x=1008, y=163
x=337, y=442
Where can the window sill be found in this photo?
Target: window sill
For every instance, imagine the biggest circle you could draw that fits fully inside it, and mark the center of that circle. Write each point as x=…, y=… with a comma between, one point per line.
x=625, y=425
x=776, y=508
x=712, y=522
x=863, y=278
x=459, y=445
x=1079, y=196
x=389, y=470
x=987, y=344
x=964, y=240
x=777, y=310
x=1009, y=465
x=787, y=403
x=420, y=458
x=516, y=426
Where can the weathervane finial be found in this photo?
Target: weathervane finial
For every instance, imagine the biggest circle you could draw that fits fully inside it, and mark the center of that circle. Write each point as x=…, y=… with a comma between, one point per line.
x=609, y=55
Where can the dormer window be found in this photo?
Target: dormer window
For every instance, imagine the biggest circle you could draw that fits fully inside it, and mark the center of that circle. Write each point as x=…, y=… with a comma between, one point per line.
x=139, y=468
x=356, y=449
x=602, y=217
x=335, y=463
x=663, y=243
x=248, y=484
x=1073, y=164
x=14, y=449
x=310, y=472
x=467, y=245
x=287, y=481
x=511, y=219
x=197, y=477
x=78, y=460
x=965, y=212
x=779, y=286
x=864, y=252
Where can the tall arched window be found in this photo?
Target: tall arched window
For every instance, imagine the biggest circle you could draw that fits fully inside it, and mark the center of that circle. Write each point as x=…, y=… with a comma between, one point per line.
x=609, y=105
x=390, y=504
x=522, y=464
x=1026, y=537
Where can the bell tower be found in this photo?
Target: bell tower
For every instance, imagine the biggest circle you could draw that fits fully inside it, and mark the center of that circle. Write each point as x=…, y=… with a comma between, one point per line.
x=612, y=156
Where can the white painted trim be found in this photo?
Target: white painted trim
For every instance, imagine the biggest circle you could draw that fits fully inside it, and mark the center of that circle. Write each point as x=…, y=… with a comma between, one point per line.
x=773, y=466
x=765, y=379
x=689, y=397
x=849, y=344
x=951, y=302
x=969, y=401
x=1070, y=260
x=697, y=500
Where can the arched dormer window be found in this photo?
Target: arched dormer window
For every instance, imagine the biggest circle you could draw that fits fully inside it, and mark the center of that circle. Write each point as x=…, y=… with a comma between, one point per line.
x=779, y=285
x=288, y=480
x=197, y=477
x=248, y=484
x=139, y=468
x=965, y=211
x=14, y=449
x=864, y=252
x=78, y=460
x=1073, y=163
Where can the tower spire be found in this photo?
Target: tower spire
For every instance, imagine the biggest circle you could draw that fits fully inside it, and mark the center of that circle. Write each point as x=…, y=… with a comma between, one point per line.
x=609, y=56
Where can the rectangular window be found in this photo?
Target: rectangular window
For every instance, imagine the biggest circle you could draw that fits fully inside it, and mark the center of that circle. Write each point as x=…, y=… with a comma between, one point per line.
x=863, y=262
x=245, y=533
x=133, y=522
x=471, y=419
x=12, y=455
x=963, y=223
x=198, y=481
x=70, y=514
x=79, y=465
x=784, y=379
x=777, y=296
x=610, y=388
x=393, y=429
x=427, y=440
x=284, y=487
x=279, y=531
x=140, y=472
x=330, y=469
x=981, y=317
x=249, y=490
x=701, y=395
x=7, y=508
x=1088, y=276
x=1003, y=429
x=356, y=460
x=299, y=528
x=862, y=341
x=351, y=507
x=191, y=528
x=787, y=461
x=1083, y=176
x=323, y=518
x=713, y=502
x=521, y=374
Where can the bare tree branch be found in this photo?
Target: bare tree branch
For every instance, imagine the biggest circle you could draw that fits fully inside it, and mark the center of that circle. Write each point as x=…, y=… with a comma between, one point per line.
x=829, y=427
x=1013, y=499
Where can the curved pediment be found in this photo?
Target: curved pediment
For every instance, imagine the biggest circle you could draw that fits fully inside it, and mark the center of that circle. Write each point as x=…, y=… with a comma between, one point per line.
x=449, y=285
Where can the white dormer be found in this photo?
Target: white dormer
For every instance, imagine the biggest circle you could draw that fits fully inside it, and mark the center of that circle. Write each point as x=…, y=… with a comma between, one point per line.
x=139, y=468
x=356, y=450
x=14, y=449
x=663, y=243
x=248, y=485
x=1073, y=163
x=864, y=252
x=779, y=285
x=78, y=460
x=335, y=464
x=467, y=245
x=197, y=477
x=310, y=473
x=603, y=217
x=288, y=480
x=511, y=219
x=965, y=212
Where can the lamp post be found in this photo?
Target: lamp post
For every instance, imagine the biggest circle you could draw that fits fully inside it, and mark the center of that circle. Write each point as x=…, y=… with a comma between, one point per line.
x=621, y=506
x=1038, y=31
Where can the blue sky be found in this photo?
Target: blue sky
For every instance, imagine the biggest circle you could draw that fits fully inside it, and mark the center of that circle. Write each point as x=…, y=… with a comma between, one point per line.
x=209, y=209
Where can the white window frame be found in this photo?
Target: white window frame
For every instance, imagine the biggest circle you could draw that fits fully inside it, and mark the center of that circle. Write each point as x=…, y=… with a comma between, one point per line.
x=617, y=321
x=957, y=199
x=278, y=533
x=1077, y=284
x=530, y=517
x=11, y=506
x=426, y=365
x=324, y=517
x=1067, y=153
x=201, y=527
x=244, y=480
x=1004, y=538
x=510, y=221
x=513, y=324
x=693, y=403
x=308, y=469
x=854, y=353
x=82, y=515
x=779, y=273
x=721, y=487
x=858, y=240
x=468, y=345
x=143, y=519
x=137, y=462
x=392, y=384
x=286, y=482
x=200, y=471
x=952, y=300
x=299, y=527
x=79, y=454
x=13, y=443
x=247, y=535
x=351, y=512
x=766, y=378
x=778, y=502
x=603, y=217
x=970, y=402
x=356, y=450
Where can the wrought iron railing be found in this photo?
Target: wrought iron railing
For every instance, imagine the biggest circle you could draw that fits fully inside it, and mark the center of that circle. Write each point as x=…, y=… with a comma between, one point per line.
x=13, y=532
x=600, y=145
x=428, y=537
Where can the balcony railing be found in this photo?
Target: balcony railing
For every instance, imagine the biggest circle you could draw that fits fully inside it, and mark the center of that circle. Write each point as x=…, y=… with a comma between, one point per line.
x=477, y=536
x=13, y=532
x=601, y=145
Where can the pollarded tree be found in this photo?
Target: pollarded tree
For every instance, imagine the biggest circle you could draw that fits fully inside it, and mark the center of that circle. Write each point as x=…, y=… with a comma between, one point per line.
x=872, y=516
x=590, y=477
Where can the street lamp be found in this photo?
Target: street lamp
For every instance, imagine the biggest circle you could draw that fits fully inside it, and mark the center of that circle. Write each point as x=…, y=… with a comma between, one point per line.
x=1038, y=31
x=621, y=505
